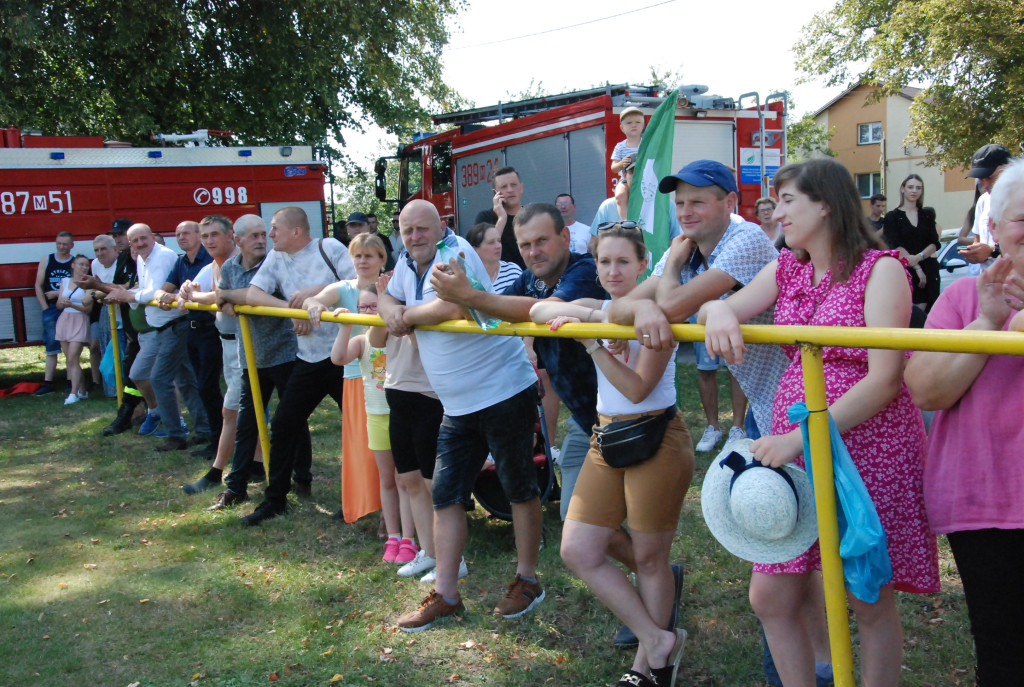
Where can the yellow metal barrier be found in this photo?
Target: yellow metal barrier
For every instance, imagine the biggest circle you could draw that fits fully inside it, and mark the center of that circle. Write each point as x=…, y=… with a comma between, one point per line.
x=810, y=339
x=116, y=343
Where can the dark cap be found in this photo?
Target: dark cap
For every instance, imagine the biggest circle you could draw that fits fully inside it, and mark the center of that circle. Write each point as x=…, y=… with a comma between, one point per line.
x=701, y=173
x=120, y=226
x=357, y=218
x=987, y=159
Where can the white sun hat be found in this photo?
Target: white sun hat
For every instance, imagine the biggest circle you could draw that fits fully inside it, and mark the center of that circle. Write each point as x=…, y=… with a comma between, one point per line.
x=760, y=514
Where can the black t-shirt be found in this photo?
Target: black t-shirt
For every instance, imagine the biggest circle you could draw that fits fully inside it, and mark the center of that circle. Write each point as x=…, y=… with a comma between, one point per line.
x=509, y=247
x=125, y=275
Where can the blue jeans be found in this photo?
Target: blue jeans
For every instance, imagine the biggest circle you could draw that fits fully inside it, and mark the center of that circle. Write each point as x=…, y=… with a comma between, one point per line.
x=506, y=429
x=50, y=342
x=570, y=461
x=171, y=367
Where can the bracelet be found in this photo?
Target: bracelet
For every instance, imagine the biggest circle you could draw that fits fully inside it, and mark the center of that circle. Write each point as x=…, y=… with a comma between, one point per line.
x=592, y=348
x=590, y=314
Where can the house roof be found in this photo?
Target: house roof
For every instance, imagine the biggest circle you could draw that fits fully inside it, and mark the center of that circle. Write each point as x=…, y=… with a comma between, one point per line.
x=907, y=92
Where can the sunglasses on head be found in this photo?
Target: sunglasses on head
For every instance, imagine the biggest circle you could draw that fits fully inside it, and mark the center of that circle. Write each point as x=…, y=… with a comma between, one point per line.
x=626, y=224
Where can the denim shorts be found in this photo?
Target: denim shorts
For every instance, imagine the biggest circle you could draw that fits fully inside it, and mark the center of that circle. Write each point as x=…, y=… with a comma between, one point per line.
x=704, y=361
x=507, y=430
x=50, y=342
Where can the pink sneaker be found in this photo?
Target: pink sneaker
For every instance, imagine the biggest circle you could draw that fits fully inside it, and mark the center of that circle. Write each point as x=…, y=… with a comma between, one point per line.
x=407, y=551
x=390, y=549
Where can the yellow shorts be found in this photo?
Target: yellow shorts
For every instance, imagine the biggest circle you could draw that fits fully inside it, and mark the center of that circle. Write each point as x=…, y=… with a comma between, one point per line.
x=377, y=434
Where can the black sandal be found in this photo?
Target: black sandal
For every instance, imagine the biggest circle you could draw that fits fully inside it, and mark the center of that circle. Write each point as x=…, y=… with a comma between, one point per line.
x=666, y=677
x=634, y=679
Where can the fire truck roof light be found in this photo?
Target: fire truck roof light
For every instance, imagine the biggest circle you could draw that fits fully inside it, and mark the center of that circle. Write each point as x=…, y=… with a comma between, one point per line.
x=155, y=153
x=56, y=156
x=244, y=153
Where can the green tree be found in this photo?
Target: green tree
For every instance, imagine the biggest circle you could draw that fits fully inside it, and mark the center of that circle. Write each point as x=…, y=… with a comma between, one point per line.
x=805, y=138
x=969, y=51
x=274, y=72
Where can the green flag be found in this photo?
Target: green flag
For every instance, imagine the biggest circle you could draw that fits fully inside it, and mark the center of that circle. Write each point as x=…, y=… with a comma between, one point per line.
x=654, y=161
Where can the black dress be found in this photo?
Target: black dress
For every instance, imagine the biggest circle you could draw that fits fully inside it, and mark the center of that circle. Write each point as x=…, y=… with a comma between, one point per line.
x=898, y=232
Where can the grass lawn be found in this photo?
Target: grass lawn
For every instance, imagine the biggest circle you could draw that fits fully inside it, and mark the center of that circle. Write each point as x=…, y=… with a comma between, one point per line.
x=111, y=575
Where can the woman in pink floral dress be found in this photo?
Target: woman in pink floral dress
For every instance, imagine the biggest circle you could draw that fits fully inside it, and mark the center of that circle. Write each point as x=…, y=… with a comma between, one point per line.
x=835, y=276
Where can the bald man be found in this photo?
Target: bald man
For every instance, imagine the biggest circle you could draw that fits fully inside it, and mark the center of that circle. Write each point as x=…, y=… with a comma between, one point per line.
x=487, y=408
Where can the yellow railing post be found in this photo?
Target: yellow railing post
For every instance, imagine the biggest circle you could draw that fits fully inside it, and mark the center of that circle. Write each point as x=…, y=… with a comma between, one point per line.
x=116, y=343
x=257, y=393
x=828, y=525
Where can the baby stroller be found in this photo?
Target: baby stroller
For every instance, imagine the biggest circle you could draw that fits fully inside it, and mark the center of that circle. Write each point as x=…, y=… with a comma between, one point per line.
x=488, y=492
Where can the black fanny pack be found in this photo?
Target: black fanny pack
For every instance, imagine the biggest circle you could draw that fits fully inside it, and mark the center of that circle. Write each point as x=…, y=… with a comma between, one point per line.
x=631, y=442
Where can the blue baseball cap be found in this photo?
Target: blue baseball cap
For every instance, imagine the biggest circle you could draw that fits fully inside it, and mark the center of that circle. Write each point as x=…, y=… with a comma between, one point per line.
x=701, y=173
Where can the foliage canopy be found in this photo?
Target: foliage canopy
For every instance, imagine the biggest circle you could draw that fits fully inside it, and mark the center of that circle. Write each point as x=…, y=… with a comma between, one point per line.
x=969, y=52
x=291, y=71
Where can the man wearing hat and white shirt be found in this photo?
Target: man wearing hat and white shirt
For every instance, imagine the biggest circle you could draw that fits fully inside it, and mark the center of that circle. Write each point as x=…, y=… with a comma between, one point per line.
x=986, y=164
x=717, y=253
x=359, y=223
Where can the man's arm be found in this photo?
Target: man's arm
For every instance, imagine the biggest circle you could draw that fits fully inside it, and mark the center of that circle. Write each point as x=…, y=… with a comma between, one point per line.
x=392, y=311
x=453, y=286
x=40, y=286
x=254, y=295
x=434, y=312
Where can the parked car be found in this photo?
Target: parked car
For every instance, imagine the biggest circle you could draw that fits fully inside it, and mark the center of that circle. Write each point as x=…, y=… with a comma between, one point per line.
x=951, y=265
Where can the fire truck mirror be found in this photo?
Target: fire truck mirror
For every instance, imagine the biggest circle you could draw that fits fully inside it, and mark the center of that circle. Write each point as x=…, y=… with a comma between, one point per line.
x=380, y=167
x=380, y=188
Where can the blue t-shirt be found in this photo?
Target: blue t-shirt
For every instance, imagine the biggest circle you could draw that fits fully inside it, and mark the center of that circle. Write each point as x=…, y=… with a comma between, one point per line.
x=570, y=368
x=187, y=270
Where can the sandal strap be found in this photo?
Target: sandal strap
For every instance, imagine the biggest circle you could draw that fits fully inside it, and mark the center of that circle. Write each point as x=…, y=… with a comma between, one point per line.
x=632, y=678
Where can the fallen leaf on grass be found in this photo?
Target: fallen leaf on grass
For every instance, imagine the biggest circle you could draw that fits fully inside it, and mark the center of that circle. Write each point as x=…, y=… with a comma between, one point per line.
x=89, y=566
x=468, y=645
x=105, y=601
x=454, y=677
x=337, y=678
x=328, y=652
x=143, y=601
x=95, y=541
x=273, y=677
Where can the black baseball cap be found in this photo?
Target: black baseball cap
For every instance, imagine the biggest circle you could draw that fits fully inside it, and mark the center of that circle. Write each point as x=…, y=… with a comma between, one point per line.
x=120, y=226
x=987, y=160
x=357, y=218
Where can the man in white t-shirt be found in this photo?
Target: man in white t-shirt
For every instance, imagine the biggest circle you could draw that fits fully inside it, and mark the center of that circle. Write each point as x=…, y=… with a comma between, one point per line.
x=579, y=233
x=489, y=392
x=298, y=267
x=986, y=164
x=103, y=267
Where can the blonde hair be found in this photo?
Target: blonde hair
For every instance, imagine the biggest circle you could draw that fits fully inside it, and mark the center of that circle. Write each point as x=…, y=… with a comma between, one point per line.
x=368, y=240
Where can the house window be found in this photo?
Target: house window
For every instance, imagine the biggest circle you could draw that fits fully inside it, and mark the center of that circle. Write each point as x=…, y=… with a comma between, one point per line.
x=869, y=133
x=869, y=184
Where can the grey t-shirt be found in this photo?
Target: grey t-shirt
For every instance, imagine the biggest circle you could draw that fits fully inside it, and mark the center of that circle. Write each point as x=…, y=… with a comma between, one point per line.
x=290, y=272
x=273, y=340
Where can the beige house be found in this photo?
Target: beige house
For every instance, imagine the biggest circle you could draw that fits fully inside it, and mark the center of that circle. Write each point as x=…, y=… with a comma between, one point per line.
x=869, y=141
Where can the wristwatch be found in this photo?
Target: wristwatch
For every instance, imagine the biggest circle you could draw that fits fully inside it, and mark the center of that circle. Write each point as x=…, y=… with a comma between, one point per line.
x=592, y=348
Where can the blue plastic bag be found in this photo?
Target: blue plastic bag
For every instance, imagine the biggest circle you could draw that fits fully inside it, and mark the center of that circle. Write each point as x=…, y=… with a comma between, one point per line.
x=862, y=543
x=107, y=367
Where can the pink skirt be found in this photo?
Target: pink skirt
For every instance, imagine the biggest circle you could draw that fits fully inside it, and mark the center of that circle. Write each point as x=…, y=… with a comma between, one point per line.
x=73, y=326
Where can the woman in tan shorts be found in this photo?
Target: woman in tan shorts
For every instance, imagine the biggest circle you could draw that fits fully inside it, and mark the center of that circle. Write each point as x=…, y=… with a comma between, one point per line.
x=633, y=382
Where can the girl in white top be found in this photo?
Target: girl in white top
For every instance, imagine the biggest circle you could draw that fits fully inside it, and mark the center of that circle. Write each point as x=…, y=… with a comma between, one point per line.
x=373, y=364
x=73, y=325
x=632, y=382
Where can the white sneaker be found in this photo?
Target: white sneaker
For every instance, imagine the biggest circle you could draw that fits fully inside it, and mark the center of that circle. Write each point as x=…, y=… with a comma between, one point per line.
x=556, y=453
x=736, y=434
x=710, y=439
x=82, y=395
x=72, y=398
x=420, y=564
x=431, y=576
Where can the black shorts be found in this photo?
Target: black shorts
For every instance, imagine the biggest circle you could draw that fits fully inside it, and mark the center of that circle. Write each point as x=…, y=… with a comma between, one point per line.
x=415, y=421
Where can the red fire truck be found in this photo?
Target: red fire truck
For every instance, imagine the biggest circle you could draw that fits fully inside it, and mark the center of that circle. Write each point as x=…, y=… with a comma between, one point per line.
x=563, y=144
x=80, y=184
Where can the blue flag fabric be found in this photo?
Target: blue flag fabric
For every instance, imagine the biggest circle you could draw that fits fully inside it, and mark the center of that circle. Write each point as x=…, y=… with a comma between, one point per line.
x=862, y=543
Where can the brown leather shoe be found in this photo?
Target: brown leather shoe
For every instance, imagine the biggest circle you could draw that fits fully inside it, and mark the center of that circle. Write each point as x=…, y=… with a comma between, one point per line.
x=172, y=444
x=227, y=499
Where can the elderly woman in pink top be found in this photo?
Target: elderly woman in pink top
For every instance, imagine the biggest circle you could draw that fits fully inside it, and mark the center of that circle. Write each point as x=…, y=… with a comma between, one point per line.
x=974, y=475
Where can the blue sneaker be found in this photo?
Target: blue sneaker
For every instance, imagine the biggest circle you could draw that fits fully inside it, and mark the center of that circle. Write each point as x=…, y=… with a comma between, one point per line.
x=162, y=432
x=149, y=424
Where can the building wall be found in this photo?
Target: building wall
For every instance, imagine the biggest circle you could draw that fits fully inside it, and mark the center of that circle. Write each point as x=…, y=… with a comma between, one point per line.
x=948, y=192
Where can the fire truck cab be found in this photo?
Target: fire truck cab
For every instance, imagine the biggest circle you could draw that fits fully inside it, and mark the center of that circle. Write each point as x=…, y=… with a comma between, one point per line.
x=563, y=144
